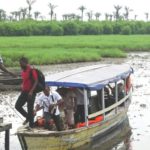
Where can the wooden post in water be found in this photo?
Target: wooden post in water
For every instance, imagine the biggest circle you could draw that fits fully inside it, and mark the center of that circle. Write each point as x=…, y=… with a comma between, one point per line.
x=7, y=139
x=5, y=127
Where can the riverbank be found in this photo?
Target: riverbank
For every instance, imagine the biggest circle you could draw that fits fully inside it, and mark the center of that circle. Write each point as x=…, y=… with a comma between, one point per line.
x=45, y=50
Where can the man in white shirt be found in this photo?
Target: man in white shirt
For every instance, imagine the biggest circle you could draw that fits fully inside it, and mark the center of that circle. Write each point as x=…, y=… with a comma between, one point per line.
x=50, y=102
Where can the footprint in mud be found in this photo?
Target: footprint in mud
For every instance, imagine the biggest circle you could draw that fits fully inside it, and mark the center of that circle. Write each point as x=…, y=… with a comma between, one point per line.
x=143, y=105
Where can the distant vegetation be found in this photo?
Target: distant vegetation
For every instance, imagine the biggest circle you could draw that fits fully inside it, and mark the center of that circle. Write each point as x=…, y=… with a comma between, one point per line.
x=67, y=49
x=59, y=28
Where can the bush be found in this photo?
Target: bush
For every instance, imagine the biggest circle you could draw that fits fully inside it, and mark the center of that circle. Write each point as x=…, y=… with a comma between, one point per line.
x=107, y=28
x=91, y=29
x=57, y=30
x=126, y=30
x=70, y=28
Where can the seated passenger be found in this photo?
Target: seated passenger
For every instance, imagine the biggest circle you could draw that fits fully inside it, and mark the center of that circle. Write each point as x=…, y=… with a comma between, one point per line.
x=121, y=91
x=69, y=107
x=50, y=101
x=80, y=112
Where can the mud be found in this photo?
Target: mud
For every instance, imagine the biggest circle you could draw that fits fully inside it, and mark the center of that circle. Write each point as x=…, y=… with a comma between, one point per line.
x=138, y=114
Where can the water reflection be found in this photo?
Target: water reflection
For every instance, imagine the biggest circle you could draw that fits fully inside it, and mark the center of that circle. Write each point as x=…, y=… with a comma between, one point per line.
x=118, y=139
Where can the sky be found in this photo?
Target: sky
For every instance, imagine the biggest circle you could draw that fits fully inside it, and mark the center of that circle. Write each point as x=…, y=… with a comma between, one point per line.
x=140, y=7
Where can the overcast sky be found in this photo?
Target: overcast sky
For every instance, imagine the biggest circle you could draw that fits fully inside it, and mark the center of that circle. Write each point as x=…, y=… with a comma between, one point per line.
x=140, y=7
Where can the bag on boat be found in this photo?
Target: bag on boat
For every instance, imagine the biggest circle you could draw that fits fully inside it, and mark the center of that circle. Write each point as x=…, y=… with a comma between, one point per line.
x=41, y=80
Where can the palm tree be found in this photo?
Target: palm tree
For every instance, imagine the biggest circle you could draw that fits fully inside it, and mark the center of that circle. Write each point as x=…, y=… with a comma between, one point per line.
x=19, y=14
x=111, y=17
x=36, y=14
x=117, y=13
x=14, y=15
x=106, y=16
x=90, y=15
x=10, y=18
x=135, y=17
x=147, y=16
x=23, y=12
x=30, y=3
x=82, y=8
x=65, y=16
x=2, y=14
x=97, y=15
x=127, y=11
x=52, y=7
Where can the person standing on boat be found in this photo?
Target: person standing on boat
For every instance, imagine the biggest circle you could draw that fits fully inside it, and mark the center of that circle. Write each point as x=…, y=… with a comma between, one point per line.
x=69, y=107
x=27, y=92
x=50, y=102
x=80, y=112
x=3, y=68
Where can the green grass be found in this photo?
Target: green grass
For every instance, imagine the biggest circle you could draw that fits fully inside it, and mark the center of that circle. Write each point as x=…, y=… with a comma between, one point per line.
x=64, y=49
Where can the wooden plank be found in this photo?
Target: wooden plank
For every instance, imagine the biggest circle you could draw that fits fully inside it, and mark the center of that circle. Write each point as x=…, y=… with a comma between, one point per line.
x=5, y=126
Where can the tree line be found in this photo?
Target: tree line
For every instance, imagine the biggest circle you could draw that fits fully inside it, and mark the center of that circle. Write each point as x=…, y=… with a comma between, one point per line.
x=59, y=28
x=26, y=13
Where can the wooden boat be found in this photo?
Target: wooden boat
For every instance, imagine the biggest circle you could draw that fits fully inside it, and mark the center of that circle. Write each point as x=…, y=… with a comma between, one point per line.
x=112, y=111
x=8, y=82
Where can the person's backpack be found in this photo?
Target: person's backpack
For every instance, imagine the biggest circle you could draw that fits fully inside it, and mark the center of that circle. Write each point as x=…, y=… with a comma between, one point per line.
x=41, y=80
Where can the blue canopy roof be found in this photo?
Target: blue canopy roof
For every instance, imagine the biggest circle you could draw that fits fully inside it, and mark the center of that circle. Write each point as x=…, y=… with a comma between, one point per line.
x=90, y=77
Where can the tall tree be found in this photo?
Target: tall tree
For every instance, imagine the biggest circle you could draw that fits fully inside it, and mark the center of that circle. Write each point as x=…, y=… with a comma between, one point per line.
x=90, y=15
x=23, y=13
x=110, y=17
x=14, y=15
x=82, y=8
x=135, y=17
x=30, y=3
x=52, y=7
x=36, y=14
x=2, y=14
x=65, y=16
x=106, y=16
x=97, y=15
x=117, y=13
x=127, y=11
x=147, y=16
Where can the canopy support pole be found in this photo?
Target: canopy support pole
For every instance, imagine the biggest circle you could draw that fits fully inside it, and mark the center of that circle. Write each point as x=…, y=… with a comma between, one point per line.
x=86, y=107
x=103, y=102
x=125, y=91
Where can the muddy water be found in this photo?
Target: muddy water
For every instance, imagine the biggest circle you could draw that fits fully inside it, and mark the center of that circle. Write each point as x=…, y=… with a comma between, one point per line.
x=138, y=114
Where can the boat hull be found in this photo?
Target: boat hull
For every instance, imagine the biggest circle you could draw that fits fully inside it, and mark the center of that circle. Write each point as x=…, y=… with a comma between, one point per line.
x=67, y=140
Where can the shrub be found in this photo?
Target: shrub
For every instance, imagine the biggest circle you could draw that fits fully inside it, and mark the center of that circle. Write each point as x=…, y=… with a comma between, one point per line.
x=126, y=30
x=70, y=28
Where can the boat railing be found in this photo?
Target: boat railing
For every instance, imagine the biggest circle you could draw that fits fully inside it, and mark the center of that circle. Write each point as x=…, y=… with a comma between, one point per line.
x=114, y=106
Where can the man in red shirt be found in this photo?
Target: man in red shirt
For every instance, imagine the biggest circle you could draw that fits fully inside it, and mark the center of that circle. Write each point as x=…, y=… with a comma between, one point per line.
x=27, y=93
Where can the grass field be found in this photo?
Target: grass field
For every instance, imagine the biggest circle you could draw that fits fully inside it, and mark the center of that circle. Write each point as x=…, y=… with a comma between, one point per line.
x=64, y=49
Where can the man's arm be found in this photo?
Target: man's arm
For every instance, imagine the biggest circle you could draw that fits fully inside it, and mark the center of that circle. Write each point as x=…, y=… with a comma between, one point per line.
x=3, y=68
x=37, y=108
